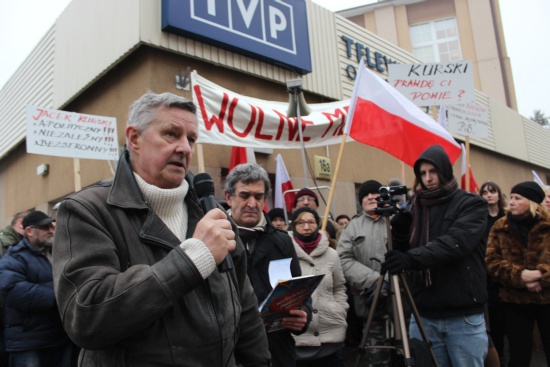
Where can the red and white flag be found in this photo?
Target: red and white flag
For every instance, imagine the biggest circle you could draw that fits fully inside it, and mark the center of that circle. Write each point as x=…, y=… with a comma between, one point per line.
x=382, y=117
x=241, y=155
x=282, y=184
x=473, y=184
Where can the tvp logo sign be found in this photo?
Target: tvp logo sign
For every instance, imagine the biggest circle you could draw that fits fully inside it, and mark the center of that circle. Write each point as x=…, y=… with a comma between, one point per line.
x=270, y=30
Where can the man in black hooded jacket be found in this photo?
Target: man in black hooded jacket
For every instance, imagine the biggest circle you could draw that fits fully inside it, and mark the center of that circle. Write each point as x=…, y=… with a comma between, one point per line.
x=442, y=249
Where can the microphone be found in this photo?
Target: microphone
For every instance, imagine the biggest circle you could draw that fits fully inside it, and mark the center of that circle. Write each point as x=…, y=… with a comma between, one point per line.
x=204, y=187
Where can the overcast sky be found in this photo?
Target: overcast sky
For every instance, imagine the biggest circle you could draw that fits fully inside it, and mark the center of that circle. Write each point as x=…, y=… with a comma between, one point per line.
x=23, y=23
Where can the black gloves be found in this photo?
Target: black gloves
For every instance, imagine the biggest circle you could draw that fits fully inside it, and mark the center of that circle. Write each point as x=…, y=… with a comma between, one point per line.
x=396, y=262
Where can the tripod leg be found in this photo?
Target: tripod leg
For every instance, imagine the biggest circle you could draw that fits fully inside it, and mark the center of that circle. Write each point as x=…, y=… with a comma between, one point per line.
x=362, y=347
x=399, y=316
x=417, y=317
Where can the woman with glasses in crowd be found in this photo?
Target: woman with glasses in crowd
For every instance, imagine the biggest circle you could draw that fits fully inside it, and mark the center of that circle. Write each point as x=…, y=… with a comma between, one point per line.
x=321, y=345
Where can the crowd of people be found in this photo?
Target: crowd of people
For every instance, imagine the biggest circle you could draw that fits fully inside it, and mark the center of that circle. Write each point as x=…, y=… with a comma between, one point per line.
x=133, y=276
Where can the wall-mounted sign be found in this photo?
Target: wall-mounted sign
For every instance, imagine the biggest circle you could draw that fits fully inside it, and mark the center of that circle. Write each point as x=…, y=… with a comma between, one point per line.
x=373, y=59
x=322, y=167
x=69, y=134
x=469, y=120
x=269, y=30
x=434, y=83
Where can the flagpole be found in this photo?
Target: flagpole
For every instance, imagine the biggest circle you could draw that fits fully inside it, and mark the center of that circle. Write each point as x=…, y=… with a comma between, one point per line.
x=467, y=186
x=333, y=184
x=200, y=158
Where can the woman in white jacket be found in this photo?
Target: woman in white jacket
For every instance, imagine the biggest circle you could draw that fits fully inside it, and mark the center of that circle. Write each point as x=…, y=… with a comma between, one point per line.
x=321, y=345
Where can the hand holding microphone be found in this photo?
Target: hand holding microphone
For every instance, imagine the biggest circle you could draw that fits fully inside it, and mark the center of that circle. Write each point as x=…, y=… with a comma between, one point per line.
x=214, y=229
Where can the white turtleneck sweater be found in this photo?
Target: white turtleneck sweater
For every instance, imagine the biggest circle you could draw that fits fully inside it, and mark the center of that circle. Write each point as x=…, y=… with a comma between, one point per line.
x=170, y=206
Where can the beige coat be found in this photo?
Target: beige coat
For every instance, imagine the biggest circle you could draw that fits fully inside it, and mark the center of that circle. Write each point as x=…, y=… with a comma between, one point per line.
x=328, y=324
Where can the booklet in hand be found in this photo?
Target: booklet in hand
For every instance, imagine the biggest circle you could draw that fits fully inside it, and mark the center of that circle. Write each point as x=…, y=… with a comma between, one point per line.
x=287, y=295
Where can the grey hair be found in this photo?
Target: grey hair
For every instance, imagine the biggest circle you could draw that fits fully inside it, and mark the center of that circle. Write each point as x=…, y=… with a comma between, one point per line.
x=246, y=173
x=145, y=109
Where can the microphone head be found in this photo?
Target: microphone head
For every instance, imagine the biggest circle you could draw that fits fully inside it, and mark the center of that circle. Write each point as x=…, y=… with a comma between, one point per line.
x=203, y=185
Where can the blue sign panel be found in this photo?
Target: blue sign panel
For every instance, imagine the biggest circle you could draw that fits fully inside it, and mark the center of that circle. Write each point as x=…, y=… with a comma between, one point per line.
x=271, y=30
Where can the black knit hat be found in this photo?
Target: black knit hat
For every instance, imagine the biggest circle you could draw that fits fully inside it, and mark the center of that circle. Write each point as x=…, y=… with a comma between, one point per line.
x=306, y=209
x=368, y=187
x=529, y=190
x=36, y=218
x=276, y=213
x=308, y=192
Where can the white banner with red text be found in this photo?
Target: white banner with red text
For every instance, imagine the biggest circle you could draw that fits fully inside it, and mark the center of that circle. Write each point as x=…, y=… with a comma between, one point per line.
x=228, y=118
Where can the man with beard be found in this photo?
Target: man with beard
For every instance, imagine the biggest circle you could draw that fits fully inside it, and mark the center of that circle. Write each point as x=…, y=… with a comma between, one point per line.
x=246, y=188
x=33, y=331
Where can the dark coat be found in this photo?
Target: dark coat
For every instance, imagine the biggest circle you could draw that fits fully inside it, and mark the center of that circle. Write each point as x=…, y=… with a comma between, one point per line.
x=130, y=296
x=507, y=257
x=26, y=286
x=453, y=259
x=274, y=244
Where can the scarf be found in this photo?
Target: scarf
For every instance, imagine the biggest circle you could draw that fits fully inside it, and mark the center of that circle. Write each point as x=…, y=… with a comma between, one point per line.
x=421, y=221
x=249, y=235
x=521, y=225
x=421, y=210
x=308, y=243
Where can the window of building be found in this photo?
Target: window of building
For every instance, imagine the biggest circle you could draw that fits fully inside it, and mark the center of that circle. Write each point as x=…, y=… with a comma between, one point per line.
x=436, y=41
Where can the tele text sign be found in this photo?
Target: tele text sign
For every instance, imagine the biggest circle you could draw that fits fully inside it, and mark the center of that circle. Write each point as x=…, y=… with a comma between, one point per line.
x=271, y=30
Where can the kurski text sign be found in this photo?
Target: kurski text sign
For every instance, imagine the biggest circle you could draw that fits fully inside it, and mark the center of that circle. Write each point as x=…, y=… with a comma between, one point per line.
x=434, y=83
x=69, y=134
x=229, y=118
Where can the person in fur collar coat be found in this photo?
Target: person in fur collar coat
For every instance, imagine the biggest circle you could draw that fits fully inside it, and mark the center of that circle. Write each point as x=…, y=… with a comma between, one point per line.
x=518, y=257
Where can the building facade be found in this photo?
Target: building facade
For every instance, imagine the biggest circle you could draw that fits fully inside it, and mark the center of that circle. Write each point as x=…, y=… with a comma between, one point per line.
x=100, y=56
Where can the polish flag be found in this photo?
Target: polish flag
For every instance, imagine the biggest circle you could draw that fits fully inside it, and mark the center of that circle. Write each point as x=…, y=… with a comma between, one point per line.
x=241, y=155
x=382, y=117
x=282, y=184
x=473, y=184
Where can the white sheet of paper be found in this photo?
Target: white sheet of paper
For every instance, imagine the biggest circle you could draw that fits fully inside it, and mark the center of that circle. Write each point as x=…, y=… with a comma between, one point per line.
x=279, y=270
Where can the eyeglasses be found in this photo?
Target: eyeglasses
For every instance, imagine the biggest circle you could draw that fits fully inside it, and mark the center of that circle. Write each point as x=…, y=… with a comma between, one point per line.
x=302, y=223
x=305, y=198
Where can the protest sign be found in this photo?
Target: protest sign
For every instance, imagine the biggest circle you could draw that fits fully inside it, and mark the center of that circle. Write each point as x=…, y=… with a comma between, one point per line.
x=228, y=118
x=69, y=134
x=468, y=120
x=434, y=83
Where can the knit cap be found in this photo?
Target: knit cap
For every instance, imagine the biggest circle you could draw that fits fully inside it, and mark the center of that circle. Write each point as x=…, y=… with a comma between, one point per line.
x=529, y=190
x=368, y=187
x=308, y=192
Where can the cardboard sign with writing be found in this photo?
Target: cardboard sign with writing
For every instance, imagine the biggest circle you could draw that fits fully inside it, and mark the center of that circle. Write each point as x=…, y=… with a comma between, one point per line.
x=434, y=83
x=69, y=134
x=468, y=120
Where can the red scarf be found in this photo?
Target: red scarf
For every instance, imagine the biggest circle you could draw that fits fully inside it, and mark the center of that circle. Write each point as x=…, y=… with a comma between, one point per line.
x=308, y=247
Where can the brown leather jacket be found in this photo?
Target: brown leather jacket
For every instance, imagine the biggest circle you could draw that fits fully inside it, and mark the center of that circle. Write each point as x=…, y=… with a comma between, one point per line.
x=129, y=295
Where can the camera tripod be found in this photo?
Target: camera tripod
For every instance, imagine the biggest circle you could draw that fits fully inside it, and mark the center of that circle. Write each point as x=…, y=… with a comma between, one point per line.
x=401, y=344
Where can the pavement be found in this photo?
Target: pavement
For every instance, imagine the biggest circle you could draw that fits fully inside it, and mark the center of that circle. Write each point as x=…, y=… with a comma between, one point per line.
x=350, y=358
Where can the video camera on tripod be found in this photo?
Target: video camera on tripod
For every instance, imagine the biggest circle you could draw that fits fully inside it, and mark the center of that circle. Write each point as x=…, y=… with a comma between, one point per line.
x=387, y=201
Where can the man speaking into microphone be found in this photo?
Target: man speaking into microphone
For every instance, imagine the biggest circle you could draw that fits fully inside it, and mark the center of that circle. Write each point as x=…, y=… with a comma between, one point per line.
x=135, y=260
